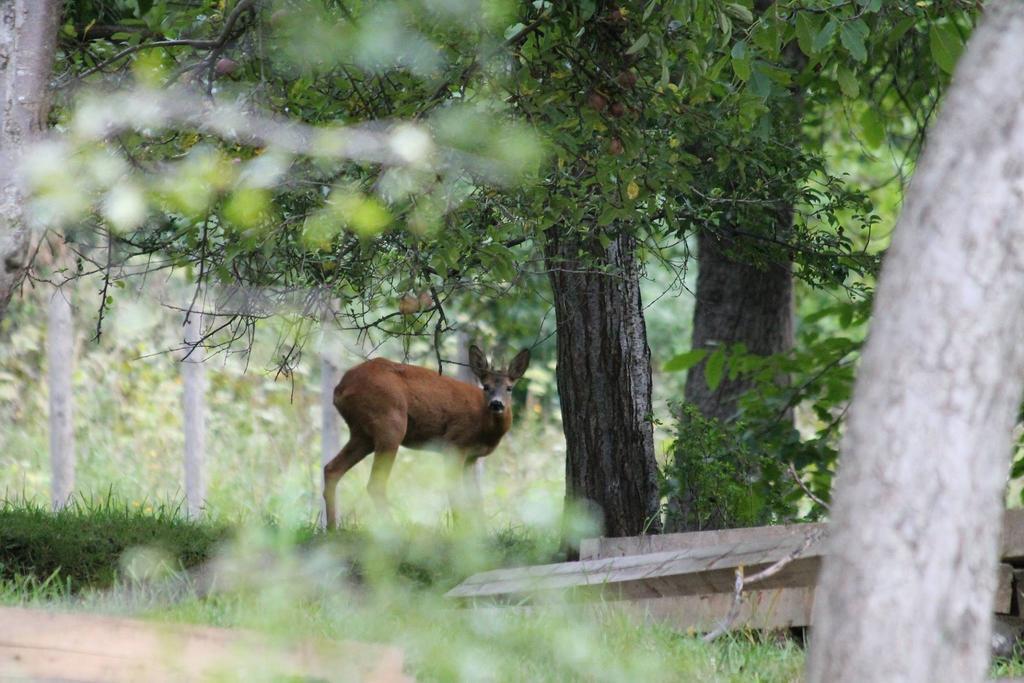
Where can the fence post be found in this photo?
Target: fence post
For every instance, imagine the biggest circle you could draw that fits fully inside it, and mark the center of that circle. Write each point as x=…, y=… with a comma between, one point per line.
x=60, y=343
x=193, y=376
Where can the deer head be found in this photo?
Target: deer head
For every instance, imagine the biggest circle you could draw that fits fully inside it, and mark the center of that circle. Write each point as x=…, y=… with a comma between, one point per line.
x=497, y=384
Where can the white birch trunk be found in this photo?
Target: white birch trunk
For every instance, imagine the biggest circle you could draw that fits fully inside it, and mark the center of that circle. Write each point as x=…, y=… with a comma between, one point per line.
x=28, y=38
x=907, y=591
x=330, y=432
x=60, y=366
x=193, y=376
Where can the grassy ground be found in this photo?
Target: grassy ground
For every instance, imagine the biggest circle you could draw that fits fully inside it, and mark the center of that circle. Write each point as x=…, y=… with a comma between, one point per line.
x=382, y=585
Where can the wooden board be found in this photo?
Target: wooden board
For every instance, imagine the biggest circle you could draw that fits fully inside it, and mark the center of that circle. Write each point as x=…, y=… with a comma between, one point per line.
x=38, y=645
x=1004, y=589
x=709, y=569
x=1012, y=543
x=1011, y=547
x=596, y=548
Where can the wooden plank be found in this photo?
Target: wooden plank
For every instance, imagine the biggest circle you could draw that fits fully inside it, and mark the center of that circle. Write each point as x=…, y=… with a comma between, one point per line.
x=85, y=648
x=709, y=569
x=597, y=548
x=1012, y=545
x=767, y=609
x=760, y=609
x=1004, y=589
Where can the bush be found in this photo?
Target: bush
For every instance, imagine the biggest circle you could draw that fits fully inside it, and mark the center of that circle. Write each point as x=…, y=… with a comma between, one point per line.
x=714, y=479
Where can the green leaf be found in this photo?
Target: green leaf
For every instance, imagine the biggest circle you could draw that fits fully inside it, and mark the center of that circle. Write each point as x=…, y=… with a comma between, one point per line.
x=768, y=39
x=685, y=361
x=946, y=46
x=807, y=27
x=714, y=370
x=640, y=44
x=848, y=82
x=760, y=82
x=853, y=40
x=739, y=12
x=872, y=128
x=898, y=31
x=740, y=60
x=824, y=36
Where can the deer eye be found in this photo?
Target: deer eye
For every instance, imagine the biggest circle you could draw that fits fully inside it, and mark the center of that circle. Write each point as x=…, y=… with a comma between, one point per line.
x=487, y=387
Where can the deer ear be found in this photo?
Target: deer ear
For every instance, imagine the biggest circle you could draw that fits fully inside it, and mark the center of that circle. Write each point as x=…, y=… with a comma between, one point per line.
x=519, y=364
x=478, y=361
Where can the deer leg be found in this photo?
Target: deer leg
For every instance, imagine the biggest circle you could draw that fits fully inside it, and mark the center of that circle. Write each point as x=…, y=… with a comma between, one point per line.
x=471, y=482
x=378, y=484
x=348, y=457
x=463, y=494
x=388, y=434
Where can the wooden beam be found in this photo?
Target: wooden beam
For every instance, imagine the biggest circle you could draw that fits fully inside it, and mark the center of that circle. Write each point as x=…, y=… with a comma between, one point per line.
x=709, y=569
x=595, y=548
x=1012, y=546
x=85, y=648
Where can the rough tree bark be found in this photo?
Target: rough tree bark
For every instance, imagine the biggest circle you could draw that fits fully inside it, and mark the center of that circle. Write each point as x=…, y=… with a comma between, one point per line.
x=193, y=377
x=28, y=39
x=60, y=340
x=604, y=381
x=737, y=302
x=921, y=481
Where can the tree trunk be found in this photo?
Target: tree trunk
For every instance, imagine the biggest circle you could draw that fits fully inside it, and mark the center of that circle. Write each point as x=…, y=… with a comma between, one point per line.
x=737, y=303
x=330, y=419
x=604, y=381
x=193, y=376
x=60, y=340
x=916, y=510
x=28, y=39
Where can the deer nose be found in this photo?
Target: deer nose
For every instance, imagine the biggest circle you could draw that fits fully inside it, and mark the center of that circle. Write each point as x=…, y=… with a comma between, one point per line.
x=497, y=406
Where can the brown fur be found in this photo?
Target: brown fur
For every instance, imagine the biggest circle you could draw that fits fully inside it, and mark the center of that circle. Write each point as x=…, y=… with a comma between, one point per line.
x=388, y=404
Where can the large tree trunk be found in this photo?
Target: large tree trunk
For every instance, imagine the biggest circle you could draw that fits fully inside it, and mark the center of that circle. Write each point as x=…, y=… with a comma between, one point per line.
x=737, y=303
x=604, y=381
x=916, y=510
x=28, y=39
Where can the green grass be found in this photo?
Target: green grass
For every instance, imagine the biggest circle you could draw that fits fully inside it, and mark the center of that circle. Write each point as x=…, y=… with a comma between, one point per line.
x=380, y=585
x=85, y=545
x=383, y=584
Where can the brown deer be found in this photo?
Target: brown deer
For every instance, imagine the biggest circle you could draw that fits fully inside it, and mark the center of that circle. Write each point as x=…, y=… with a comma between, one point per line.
x=387, y=405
